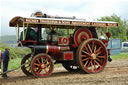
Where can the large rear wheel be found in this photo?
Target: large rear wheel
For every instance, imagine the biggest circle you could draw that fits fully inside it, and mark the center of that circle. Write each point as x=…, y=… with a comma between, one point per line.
x=92, y=56
x=42, y=65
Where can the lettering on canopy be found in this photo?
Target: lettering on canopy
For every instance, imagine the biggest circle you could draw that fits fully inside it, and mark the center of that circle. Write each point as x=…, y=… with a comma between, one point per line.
x=72, y=23
x=27, y=20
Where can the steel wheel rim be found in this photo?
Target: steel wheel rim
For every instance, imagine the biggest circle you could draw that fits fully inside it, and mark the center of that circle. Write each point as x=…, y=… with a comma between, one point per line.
x=42, y=66
x=93, y=56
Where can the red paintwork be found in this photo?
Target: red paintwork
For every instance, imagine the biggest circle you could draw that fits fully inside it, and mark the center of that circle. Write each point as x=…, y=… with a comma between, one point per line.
x=68, y=55
x=25, y=42
x=81, y=35
x=53, y=49
x=30, y=41
x=63, y=41
x=108, y=34
x=64, y=55
x=73, y=45
x=57, y=49
x=105, y=42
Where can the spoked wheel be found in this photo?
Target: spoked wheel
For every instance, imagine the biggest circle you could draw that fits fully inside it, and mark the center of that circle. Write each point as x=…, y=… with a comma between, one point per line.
x=42, y=65
x=92, y=56
x=70, y=68
x=26, y=68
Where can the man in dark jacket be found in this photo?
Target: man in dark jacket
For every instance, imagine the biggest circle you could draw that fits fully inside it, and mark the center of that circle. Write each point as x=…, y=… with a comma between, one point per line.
x=5, y=58
x=0, y=59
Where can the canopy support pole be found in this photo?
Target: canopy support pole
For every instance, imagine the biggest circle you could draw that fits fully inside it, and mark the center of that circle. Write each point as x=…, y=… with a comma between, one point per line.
x=23, y=32
x=18, y=32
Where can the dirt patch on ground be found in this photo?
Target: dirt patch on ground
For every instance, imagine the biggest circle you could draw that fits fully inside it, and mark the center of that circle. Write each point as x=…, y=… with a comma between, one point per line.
x=115, y=73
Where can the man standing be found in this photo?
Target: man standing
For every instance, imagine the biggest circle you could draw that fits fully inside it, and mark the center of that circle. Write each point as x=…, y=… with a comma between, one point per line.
x=5, y=58
x=0, y=59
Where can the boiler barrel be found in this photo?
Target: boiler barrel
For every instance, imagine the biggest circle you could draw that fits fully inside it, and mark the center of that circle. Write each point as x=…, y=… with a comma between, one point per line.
x=50, y=48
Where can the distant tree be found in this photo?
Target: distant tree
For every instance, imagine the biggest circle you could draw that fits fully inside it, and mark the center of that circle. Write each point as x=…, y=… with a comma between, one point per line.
x=121, y=31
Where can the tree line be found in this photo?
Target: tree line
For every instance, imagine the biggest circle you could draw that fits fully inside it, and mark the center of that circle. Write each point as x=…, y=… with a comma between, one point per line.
x=122, y=31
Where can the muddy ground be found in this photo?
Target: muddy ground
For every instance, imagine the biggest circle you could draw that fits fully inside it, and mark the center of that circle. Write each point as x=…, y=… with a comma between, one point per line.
x=115, y=73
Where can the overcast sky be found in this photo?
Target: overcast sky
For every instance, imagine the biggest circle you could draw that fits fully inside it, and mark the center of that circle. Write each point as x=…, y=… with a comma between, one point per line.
x=88, y=9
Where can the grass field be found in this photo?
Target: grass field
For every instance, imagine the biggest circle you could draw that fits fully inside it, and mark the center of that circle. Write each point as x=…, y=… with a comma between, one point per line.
x=14, y=63
x=120, y=56
x=17, y=62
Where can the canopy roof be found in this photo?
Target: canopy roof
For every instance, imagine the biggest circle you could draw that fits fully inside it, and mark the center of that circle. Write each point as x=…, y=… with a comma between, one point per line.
x=59, y=23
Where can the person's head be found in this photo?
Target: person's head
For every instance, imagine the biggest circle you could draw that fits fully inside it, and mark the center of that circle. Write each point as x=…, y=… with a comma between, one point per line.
x=7, y=49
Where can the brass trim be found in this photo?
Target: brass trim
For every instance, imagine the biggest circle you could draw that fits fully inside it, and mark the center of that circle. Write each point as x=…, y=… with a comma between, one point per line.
x=46, y=48
x=59, y=48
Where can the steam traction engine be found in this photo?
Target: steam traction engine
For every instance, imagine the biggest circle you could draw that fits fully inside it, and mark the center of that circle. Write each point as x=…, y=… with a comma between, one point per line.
x=81, y=50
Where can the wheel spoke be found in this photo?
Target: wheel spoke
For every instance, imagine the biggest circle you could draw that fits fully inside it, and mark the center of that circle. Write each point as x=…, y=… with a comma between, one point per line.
x=97, y=63
x=98, y=60
x=86, y=63
x=98, y=49
x=42, y=59
x=47, y=65
x=98, y=53
x=94, y=65
x=101, y=56
x=85, y=59
x=86, y=52
x=27, y=61
x=89, y=63
x=84, y=56
x=45, y=61
x=89, y=48
x=38, y=61
x=95, y=49
x=93, y=46
x=27, y=66
x=39, y=70
x=36, y=64
x=86, y=49
x=29, y=69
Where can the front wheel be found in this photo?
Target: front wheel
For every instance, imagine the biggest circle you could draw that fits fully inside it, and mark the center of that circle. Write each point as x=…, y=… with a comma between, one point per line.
x=42, y=65
x=92, y=56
